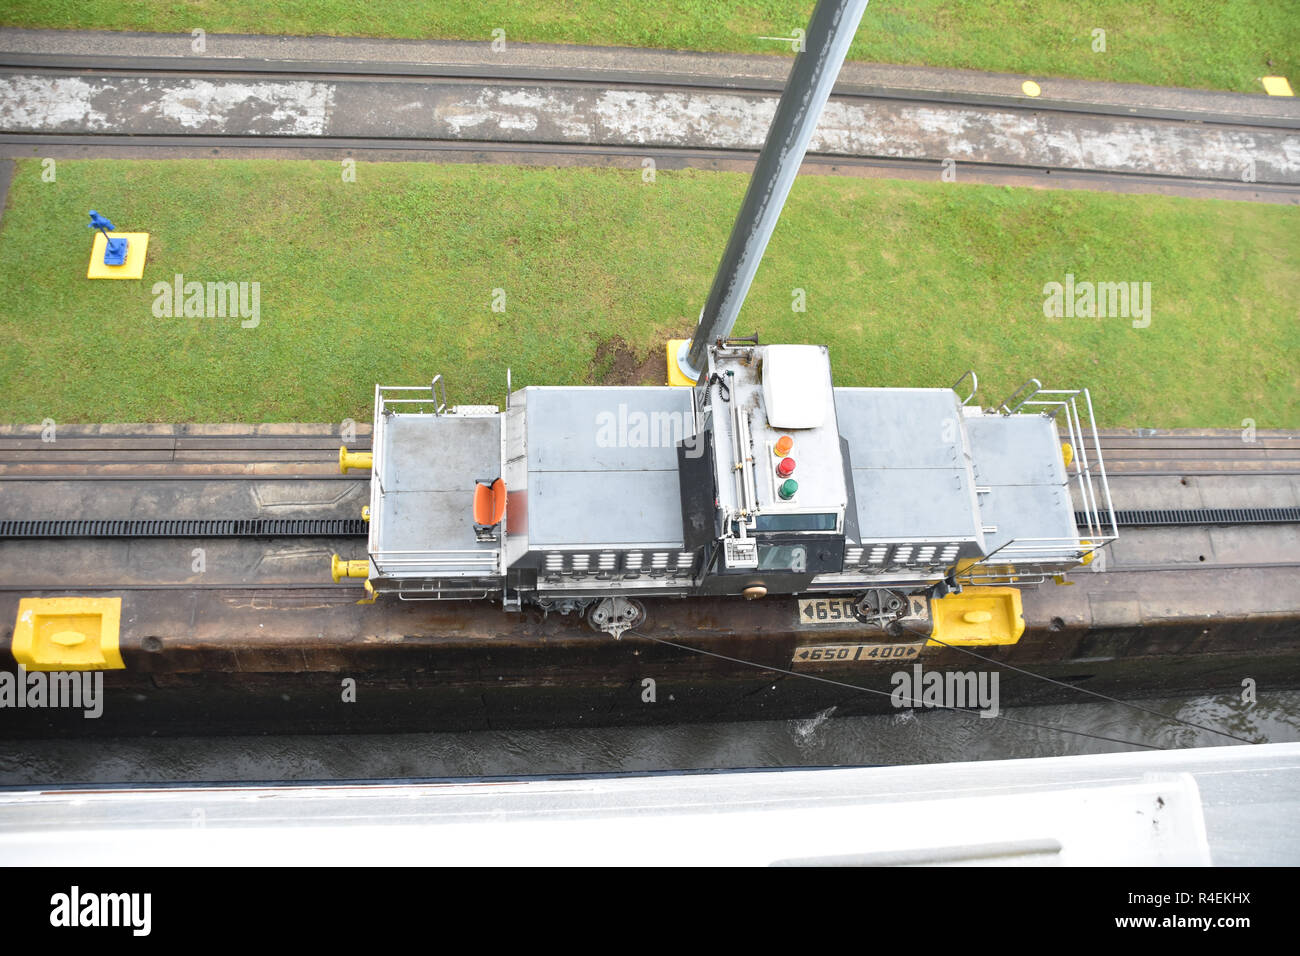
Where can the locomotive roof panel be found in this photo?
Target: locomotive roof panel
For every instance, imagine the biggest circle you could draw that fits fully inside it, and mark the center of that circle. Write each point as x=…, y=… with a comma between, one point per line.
x=429, y=521
x=606, y=429
x=1018, y=458
x=427, y=466
x=901, y=427
x=598, y=509
x=915, y=504
x=602, y=466
x=439, y=453
x=911, y=476
x=1024, y=512
x=1016, y=450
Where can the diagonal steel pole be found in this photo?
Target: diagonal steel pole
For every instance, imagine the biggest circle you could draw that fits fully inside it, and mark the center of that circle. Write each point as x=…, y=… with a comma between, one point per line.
x=830, y=32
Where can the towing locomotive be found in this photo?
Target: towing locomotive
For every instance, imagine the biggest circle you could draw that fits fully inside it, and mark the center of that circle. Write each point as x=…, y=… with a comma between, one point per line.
x=762, y=479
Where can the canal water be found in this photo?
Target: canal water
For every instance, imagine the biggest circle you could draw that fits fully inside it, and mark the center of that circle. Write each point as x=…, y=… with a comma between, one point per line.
x=821, y=741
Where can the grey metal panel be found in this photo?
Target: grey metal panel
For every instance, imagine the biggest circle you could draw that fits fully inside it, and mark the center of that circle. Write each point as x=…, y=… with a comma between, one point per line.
x=423, y=500
x=1015, y=450
x=914, y=503
x=901, y=427
x=911, y=477
x=515, y=544
x=1018, y=459
x=430, y=521
x=611, y=508
x=1026, y=511
x=439, y=453
x=606, y=429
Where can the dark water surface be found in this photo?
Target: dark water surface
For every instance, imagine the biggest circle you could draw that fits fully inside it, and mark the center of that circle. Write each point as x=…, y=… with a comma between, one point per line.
x=904, y=738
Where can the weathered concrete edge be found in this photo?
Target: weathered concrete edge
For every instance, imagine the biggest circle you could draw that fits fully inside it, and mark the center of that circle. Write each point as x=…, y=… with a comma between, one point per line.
x=720, y=68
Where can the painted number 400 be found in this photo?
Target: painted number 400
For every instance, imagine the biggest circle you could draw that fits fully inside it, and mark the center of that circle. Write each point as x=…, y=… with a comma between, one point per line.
x=856, y=652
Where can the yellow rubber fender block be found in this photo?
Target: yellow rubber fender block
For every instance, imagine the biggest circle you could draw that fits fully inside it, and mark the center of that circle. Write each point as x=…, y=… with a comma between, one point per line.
x=68, y=634
x=978, y=616
x=340, y=569
x=354, y=459
x=1067, y=453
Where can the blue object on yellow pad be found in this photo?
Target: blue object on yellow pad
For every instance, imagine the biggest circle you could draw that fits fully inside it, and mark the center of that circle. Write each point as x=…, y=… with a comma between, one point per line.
x=115, y=255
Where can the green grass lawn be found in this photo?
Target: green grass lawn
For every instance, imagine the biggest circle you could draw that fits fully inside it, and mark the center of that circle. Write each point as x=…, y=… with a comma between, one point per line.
x=390, y=279
x=1165, y=42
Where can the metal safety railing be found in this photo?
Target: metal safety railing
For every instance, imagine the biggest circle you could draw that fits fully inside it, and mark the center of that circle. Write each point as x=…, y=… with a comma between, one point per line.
x=440, y=591
x=1095, y=520
x=974, y=385
x=451, y=563
x=393, y=400
x=386, y=402
x=1028, y=560
x=1020, y=396
x=1097, y=509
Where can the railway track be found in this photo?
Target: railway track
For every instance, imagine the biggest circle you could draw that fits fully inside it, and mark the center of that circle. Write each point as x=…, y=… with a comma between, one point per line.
x=40, y=529
x=494, y=112
x=207, y=483
x=140, y=457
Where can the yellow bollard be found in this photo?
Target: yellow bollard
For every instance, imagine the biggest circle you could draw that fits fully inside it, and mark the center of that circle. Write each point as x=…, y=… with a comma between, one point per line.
x=353, y=459
x=370, y=594
x=340, y=569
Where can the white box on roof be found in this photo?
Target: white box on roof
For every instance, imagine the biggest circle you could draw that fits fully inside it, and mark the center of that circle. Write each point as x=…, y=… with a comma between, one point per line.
x=796, y=385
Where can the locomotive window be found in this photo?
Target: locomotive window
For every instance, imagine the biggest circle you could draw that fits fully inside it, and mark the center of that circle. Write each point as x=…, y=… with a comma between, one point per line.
x=795, y=523
x=782, y=557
